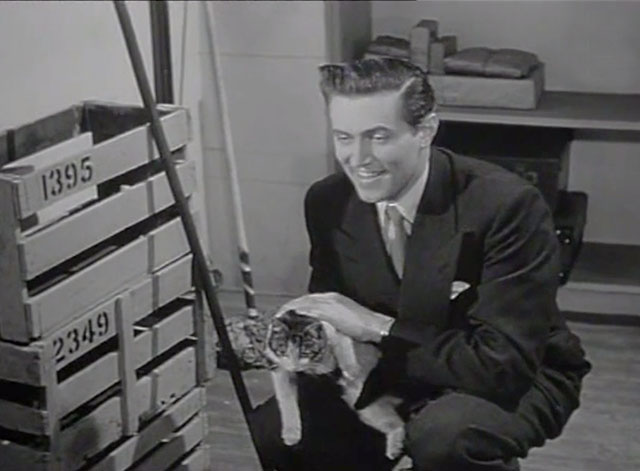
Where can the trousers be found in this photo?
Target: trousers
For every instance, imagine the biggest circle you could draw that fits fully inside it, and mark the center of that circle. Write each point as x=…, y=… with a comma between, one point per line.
x=453, y=432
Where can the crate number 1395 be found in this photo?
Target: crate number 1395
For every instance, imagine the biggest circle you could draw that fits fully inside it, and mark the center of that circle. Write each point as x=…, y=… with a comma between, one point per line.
x=66, y=177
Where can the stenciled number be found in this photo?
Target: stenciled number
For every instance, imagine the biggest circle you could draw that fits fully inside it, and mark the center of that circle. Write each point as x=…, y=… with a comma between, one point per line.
x=57, y=180
x=89, y=334
x=86, y=169
x=58, y=345
x=55, y=176
x=74, y=337
x=103, y=323
x=71, y=175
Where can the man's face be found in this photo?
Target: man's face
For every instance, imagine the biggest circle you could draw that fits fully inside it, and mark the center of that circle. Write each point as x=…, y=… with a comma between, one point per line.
x=378, y=150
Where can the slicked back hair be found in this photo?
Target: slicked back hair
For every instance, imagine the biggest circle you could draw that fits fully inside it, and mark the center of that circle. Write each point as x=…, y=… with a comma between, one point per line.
x=368, y=76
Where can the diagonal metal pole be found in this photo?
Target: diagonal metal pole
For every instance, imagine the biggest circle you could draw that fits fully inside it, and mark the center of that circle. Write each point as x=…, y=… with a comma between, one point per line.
x=202, y=270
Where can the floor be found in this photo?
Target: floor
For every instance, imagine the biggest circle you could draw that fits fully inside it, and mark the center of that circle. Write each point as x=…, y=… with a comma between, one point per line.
x=602, y=435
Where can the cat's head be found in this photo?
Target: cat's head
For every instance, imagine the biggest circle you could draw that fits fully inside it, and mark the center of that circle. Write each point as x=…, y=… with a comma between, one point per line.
x=297, y=342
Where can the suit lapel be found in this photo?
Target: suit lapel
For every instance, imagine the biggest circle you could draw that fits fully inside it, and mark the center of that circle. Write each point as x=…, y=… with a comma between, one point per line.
x=432, y=249
x=369, y=269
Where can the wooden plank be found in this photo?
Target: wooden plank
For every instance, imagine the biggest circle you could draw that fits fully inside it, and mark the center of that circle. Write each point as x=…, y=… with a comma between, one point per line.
x=29, y=459
x=14, y=416
x=167, y=243
x=67, y=174
x=52, y=174
x=133, y=449
x=64, y=301
x=126, y=365
x=12, y=321
x=87, y=383
x=175, y=446
x=47, y=131
x=91, y=434
x=205, y=360
x=163, y=335
x=70, y=236
x=167, y=383
x=616, y=112
x=22, y=364
x=165, y=285
x=196, y=461
x=83, y=334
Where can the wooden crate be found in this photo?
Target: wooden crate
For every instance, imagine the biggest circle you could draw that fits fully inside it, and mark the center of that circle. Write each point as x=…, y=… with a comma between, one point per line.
x=110, y=392
x=85, y=212
x=102, y=333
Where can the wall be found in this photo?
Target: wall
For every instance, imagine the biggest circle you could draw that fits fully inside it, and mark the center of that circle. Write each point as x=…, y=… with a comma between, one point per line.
x=269, y=55
x=588, y=47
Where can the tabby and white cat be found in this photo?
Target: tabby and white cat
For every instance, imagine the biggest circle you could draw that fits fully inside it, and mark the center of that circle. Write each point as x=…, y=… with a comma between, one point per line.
x=301, y=344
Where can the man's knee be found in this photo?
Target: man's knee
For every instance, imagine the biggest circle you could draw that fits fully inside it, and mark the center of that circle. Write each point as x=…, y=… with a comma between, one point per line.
x=449, y=433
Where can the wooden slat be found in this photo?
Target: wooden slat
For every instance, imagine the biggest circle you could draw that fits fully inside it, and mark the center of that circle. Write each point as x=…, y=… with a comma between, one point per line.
x=196, y=461
x=167, y=243
x=126, y=364
x=133, y=449
x=180, y=443
x=91, y=434
x=64, y=301
x=29, y=459
x=165, y=285
x=22, y=364
x=25, y=419
x=12, y=322
x=163, y=335
x=101, y=163
x=51, y=165
x=167, y=383
x=70, y=236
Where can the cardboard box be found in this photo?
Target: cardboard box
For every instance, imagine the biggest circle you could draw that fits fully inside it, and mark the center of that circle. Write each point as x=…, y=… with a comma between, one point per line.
x=464, y=90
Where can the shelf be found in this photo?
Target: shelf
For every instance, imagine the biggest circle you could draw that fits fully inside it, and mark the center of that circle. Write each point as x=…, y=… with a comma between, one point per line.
x=605, y=280
x=560, y=110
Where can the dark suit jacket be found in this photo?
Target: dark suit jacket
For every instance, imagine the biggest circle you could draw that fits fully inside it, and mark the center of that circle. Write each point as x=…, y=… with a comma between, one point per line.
x=475, y=223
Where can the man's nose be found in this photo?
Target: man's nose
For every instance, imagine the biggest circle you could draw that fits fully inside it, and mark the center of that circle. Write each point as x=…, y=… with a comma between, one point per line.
x=361, y=152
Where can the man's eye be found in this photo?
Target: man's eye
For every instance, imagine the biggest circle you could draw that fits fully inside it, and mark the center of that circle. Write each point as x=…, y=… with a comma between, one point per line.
x=380, y=137
x=343, y=137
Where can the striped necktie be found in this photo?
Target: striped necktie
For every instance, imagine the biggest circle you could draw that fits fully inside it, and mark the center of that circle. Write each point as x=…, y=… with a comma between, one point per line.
x=396, y=237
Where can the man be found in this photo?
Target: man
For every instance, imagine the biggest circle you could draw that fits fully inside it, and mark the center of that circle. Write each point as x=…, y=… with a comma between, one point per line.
x=450, y=265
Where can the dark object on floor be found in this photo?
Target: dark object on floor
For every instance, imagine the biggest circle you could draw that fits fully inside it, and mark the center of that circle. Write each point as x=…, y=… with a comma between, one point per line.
x=485, y=62
x=570, y=219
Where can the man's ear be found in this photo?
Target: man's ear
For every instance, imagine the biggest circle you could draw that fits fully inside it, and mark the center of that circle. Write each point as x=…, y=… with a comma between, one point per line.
x=427, y=128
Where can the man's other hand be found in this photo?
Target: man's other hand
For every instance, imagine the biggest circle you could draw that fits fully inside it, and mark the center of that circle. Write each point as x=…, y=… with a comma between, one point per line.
x=346, y=315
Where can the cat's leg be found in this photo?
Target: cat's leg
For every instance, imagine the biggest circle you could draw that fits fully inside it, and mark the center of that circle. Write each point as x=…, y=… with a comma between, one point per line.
x=344, y=352
x=382, y=416
x=286, y=392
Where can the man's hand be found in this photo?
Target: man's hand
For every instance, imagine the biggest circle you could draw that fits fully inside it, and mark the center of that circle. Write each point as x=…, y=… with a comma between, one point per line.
x=347, y=316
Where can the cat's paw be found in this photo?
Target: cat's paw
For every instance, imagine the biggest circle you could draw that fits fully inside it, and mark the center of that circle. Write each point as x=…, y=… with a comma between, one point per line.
x=395, y=442
x=291, y=435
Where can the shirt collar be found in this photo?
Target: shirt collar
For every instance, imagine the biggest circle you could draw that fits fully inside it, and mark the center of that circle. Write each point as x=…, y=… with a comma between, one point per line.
x=408, y=203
